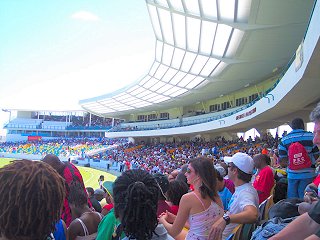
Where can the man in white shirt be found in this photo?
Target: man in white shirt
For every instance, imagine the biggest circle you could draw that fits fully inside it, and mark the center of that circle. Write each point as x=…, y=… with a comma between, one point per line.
x=244, y=204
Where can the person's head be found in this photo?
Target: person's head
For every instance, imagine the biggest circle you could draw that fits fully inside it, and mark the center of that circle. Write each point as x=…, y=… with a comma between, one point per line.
x=171, y=178
x=240, y=167
x=101, y=178
x=221, y=170
x=201, y=174
x=135, y=195
x=174, y=173
x=220, y=182
x=31, y=200
x=176, y=190
x=261, y=160
x=225, y=166
x=283, y=162
x=77, y=198
x=315, y=117
x=90, y=191
x=163, y=183
x=184, y=168
x=297, y=123
x=54, y=162
x=181, y=176
x=99, y=194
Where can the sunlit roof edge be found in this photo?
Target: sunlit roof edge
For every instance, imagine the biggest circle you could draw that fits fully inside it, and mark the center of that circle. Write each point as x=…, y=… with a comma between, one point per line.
x=116, y=92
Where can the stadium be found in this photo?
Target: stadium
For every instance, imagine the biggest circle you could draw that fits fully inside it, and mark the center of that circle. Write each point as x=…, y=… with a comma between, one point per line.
x=226, y=77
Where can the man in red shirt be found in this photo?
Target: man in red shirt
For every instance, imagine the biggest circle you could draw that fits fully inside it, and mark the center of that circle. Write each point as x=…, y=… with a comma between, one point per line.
x=265, y=149
x=264, y=180
x=70, y=173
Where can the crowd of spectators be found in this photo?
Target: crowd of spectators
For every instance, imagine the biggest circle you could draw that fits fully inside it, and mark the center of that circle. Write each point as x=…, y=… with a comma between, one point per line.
x=166, y=157
x=85, y=121
x=63, y=147
x=182, y=190
x=50, y=117
x=96, y=121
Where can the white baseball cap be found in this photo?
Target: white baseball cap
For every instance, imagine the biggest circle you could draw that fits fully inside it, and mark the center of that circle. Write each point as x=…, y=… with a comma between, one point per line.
x=221, y=170
x=242, y=161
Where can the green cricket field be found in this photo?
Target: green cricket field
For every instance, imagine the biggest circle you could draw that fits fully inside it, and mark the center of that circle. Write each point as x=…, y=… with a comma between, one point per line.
x=90, y=175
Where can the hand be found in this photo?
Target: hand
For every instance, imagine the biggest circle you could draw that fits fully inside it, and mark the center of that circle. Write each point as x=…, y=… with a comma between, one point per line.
x=163, y=218
x=309, y=197
x=167, y=216
x=217, y=229
x=170, y=217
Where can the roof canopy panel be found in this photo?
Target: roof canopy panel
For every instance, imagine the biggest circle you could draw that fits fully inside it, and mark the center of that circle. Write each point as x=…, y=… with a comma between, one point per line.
x=202, y=45
x=192, y=39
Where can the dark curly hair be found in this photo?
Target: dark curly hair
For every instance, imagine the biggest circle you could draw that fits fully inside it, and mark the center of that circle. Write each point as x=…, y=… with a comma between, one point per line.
x=176, y=190
x=31, y=198
x=135, y=203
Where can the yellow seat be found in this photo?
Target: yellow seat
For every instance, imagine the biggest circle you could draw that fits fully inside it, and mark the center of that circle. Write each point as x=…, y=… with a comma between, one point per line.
x=264, y=208
x=269, y=204
x=236, y=233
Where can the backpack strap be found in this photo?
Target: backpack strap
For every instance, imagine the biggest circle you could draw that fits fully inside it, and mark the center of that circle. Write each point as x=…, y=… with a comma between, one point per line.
x=116, y=235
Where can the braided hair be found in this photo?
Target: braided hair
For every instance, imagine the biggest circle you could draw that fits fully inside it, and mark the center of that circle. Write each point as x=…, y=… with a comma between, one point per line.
x=135, y=203
x=204, y=168
x=176, y=190
x=31, y=199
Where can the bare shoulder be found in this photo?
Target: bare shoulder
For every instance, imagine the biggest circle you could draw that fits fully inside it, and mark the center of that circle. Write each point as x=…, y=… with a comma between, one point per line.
x=189, y=198
x=188, y=195
x=74, y=227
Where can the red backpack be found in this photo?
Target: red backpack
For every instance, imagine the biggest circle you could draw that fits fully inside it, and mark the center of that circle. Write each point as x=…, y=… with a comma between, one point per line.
x=298, y=157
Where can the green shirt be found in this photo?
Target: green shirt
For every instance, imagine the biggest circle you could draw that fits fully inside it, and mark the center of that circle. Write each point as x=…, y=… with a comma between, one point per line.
x=108, y=226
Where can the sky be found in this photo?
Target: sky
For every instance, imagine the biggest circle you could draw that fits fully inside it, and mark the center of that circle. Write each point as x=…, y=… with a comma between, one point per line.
x=55, y=53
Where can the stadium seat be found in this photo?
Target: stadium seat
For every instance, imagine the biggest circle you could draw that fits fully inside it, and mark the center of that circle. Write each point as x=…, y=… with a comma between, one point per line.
x=235, y=235
x=242, y=232
x=264, y=209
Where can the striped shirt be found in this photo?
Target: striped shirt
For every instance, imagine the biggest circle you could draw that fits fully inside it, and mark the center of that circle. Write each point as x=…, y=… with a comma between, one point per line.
x=306, y=139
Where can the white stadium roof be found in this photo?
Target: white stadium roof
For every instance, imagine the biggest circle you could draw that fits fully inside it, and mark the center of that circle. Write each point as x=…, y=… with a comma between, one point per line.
x=206, y=48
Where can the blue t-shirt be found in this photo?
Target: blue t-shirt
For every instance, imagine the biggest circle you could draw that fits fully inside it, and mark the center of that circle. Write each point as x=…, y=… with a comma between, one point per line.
x=225, y=196
x=59, y=233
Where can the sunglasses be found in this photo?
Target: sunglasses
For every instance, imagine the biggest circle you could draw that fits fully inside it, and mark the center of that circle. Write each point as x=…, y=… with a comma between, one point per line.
x=230, y=165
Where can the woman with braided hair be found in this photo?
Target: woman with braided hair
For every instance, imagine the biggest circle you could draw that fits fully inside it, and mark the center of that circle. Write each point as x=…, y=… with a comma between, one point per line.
x=201, y=207
x=31, y=199
x=135, y=204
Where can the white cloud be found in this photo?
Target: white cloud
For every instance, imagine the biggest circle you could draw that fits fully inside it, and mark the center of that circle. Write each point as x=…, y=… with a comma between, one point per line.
x=85, y=16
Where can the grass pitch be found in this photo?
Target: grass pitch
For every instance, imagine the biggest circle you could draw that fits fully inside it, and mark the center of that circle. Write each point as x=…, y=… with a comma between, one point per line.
x=90, y=176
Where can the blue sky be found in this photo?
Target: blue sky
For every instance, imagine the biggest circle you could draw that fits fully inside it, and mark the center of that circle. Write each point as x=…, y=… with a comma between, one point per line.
x=71, y=50
x=55, y=53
